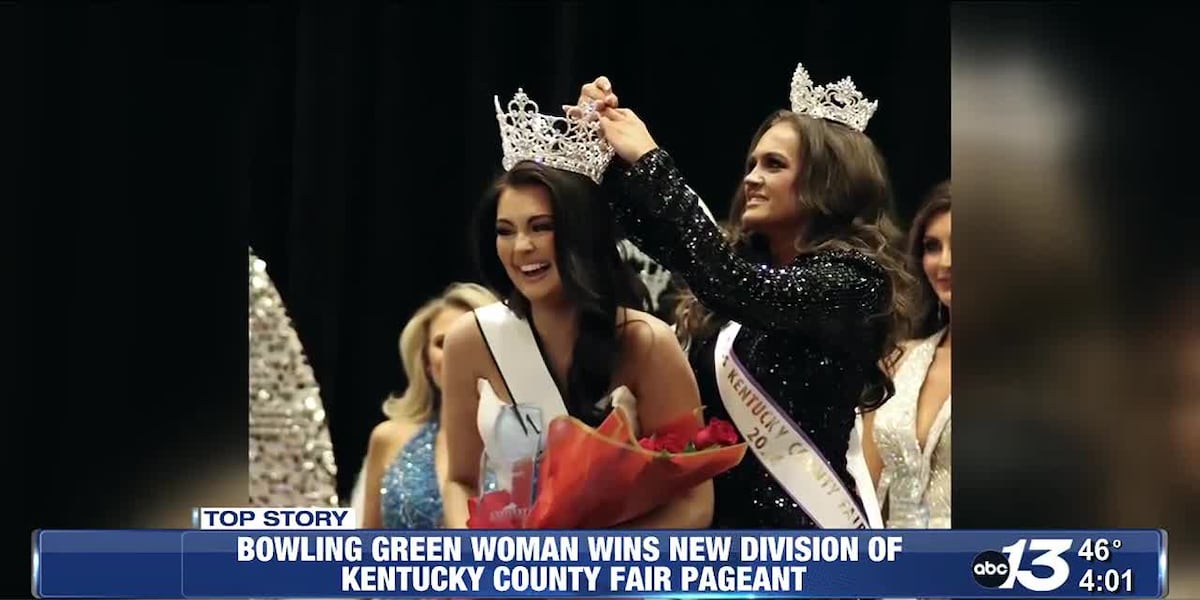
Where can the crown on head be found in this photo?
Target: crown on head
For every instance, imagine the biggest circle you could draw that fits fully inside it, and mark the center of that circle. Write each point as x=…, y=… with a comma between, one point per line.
x=840, y=101
x=574, y=145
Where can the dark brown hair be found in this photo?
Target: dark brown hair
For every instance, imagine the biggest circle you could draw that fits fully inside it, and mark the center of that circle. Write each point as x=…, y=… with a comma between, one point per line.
x=928, y=319
x=594, y=277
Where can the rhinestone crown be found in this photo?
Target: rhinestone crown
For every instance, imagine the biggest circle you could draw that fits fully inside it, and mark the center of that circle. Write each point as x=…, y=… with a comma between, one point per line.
x=840, y=101
x=575, y=145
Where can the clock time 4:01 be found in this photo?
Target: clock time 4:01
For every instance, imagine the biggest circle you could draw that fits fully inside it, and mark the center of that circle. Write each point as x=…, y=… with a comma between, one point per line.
x=1110, y=581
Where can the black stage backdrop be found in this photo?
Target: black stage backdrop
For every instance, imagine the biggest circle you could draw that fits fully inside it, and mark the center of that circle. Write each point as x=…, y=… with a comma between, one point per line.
x=347, y=143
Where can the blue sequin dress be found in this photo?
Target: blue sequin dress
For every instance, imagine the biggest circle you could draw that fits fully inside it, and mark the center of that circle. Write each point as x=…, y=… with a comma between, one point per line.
x=409, y=495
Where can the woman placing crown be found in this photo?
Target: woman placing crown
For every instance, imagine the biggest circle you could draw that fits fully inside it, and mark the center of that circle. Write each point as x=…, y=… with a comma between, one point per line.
x=564, y=337
x=797, y=307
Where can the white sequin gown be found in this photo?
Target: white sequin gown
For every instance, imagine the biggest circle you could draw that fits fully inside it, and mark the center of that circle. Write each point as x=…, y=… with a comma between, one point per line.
x=915, y=484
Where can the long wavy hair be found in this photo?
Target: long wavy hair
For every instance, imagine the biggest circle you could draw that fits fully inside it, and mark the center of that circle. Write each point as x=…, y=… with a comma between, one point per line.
x=421, y=398
x=929, y=319
x=594, y=277
x=845, y=196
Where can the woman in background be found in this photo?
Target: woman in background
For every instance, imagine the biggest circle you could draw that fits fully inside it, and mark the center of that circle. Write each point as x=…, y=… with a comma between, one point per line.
x=910, y=453
x=406, y=460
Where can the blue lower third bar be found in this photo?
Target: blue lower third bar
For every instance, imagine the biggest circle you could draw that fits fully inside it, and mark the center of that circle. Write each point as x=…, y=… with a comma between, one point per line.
x=107, y=564
x=599, y=564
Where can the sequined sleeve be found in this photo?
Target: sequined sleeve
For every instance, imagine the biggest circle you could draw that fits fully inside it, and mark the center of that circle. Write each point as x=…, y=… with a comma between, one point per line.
x=664, y=218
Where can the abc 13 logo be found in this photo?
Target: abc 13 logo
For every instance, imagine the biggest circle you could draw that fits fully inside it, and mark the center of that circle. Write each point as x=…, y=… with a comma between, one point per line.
x=990, y=569
x=1002, y=569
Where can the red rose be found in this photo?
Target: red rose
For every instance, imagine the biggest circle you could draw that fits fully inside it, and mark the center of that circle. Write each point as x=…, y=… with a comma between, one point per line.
x=723, y=432
x=716, y=433
x=671, y=442
x=649, y=444
x=705, y=438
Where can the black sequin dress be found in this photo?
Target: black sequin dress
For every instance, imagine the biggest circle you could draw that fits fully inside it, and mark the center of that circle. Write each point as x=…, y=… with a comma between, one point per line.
x=806, y=333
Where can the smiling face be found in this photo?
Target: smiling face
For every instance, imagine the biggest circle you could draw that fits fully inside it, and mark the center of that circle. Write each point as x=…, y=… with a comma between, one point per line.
x=935, y=259
x=770, y=182
x=525, y=241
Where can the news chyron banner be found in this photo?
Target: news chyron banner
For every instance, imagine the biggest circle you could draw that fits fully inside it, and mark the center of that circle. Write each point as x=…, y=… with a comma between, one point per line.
x=316, y=553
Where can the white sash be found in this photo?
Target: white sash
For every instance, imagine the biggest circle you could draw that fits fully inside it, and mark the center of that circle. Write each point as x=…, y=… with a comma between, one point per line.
x=787, y=453
x=514, y=349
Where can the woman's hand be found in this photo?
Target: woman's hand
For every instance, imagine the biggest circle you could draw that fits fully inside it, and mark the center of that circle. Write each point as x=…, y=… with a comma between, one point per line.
x=623, y=129
x=627, y=133
x=598, y=92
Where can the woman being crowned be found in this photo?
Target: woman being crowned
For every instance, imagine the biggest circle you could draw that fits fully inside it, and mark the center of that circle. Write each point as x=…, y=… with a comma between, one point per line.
x=565, y=340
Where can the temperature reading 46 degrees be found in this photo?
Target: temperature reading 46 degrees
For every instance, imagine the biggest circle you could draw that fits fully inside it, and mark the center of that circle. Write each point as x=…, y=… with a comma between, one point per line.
x=1098, y=550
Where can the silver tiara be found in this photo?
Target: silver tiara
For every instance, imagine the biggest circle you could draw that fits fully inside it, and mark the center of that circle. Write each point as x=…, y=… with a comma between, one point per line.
x=574, y=145
x=840, y=101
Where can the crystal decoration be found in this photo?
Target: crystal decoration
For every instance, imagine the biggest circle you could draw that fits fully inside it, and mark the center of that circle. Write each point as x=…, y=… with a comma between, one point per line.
x=291, y=455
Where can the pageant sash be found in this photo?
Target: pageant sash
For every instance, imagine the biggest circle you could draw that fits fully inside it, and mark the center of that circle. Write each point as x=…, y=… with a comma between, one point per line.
x=513, y=347
x=787, y=453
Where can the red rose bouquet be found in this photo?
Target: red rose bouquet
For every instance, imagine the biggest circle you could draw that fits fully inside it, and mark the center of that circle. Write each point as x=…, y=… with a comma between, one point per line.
x=595, y=478
x=716, y=433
